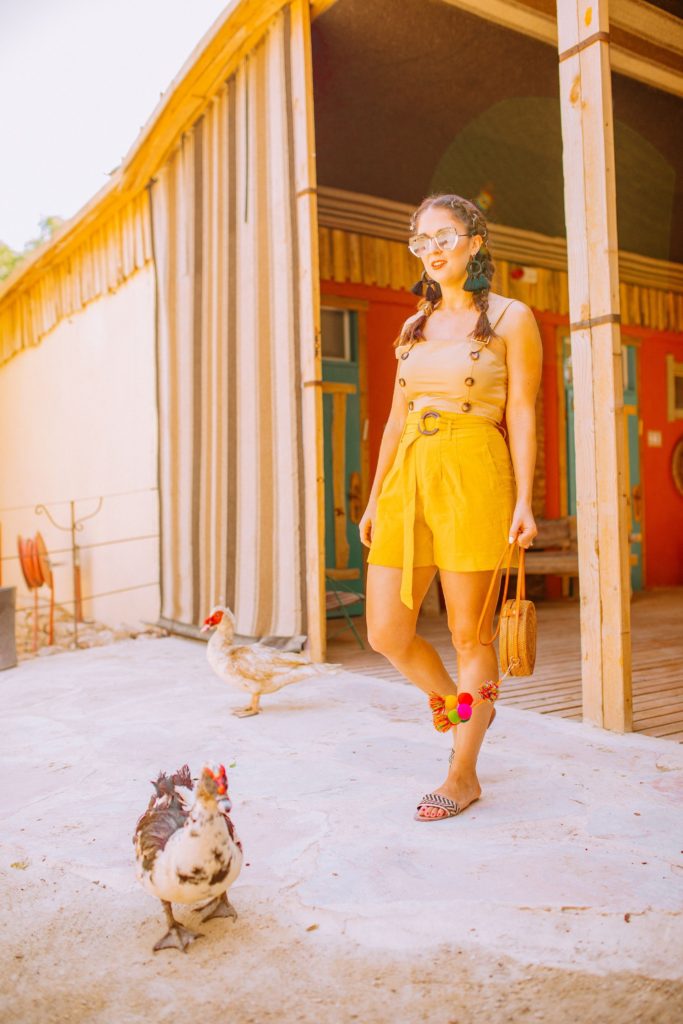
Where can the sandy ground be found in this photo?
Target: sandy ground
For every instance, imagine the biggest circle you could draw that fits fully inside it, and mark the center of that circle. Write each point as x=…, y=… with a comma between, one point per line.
x=557, y=897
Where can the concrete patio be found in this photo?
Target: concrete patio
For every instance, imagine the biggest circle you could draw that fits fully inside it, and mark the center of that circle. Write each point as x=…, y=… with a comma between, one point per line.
x=557, y=897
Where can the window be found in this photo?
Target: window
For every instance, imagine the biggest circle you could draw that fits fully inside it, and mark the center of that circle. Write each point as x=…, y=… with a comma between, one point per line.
x=335, y=326
x=674, y=389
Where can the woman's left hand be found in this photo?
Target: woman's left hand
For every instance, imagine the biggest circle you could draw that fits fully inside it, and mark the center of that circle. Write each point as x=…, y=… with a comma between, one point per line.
x=523, y=528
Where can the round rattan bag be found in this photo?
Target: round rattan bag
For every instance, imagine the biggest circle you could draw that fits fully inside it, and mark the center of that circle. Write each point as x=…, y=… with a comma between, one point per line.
x=516, y=622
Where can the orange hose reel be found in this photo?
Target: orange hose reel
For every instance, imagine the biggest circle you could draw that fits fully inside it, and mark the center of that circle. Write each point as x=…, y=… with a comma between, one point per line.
x=37, y=570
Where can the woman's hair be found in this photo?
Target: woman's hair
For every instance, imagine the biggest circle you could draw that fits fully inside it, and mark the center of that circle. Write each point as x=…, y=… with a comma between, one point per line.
x=472, y=218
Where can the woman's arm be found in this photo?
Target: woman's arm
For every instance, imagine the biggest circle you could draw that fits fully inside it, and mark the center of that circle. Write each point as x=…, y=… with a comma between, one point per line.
x=524, y=362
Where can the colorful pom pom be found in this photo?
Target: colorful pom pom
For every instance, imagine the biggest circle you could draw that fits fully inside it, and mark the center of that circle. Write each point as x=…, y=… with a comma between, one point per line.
x=437, y=704
x=465, y=698
x=453, y=717
x=489, y=690
x=465, y=711
x=450, y=702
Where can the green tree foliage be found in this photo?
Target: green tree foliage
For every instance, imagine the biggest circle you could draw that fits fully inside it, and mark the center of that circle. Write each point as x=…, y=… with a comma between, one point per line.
x=9, y=258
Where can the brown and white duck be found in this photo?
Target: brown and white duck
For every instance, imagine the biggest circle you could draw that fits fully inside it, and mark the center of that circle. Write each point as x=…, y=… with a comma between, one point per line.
x=256, y=668
x=188, y=851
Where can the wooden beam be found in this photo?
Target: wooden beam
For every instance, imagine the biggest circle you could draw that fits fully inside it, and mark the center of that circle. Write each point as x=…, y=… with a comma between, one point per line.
x=602, y=500
x=385, y=218
x=647, y=43
x=341, y=542
x=310, y=330
x=319, y=7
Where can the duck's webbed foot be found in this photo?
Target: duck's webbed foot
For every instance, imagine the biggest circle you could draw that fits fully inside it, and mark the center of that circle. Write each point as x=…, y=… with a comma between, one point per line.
x=177, y=937
x=253, y=709
x=220, y=907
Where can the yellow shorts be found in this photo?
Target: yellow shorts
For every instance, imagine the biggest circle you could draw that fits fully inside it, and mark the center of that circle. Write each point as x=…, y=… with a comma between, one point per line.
x=448, y=498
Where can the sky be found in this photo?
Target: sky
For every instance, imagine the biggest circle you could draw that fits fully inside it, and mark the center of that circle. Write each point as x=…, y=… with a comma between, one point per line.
x=78, y=79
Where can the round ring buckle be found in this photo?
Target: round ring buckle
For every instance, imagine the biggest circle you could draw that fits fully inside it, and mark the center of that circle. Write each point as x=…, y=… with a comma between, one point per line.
x=423, y=417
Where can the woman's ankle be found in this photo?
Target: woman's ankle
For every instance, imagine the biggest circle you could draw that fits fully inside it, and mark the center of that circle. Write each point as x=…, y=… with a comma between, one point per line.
x=464, y=770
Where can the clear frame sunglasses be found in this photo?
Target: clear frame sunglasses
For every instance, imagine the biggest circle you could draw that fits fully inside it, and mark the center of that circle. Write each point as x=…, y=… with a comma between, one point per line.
x=445, y=239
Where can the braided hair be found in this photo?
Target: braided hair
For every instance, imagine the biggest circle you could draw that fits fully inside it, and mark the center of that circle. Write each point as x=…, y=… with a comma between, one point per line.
x=472, y=217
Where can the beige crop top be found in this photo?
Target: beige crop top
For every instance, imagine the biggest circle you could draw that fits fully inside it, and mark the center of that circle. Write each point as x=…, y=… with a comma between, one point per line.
x=457, y=375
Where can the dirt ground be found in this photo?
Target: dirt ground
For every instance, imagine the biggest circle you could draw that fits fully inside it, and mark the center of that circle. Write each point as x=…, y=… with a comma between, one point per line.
x=557, y=902
x=82, y=955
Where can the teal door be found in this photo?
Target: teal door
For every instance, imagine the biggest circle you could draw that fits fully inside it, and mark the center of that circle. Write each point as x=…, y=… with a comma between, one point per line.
x=632, y=448
x=632, y=443
x=342, y=454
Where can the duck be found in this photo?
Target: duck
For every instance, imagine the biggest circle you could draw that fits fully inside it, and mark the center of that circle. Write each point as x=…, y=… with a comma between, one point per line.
x=187, y=850
x=257, y=668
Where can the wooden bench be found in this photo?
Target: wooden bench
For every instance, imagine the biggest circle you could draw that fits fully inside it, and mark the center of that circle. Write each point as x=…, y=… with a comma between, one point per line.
x=555, y=550
x=555, y=553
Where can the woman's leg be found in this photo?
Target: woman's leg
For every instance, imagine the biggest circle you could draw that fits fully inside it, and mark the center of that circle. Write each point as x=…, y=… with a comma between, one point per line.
x=391, y=628
x=465, y=593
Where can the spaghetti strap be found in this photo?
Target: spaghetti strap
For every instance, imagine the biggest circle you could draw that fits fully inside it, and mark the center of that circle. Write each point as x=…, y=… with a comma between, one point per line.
x=506, y=306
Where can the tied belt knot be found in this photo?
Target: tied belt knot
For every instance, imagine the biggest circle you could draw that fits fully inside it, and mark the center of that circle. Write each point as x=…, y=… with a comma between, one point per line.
x=428, y=422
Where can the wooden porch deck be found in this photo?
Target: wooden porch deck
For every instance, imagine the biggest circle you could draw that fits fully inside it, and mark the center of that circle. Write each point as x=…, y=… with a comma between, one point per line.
x=555, y=687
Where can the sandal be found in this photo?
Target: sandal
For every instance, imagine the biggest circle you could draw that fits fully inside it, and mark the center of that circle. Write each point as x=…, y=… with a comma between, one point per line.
x=444, y=803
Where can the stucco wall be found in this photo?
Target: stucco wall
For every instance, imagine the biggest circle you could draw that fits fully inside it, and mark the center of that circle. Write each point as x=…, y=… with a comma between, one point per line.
x=78, y=421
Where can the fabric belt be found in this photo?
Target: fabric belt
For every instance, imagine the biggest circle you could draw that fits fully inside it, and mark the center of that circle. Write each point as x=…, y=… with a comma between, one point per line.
x=422, y=423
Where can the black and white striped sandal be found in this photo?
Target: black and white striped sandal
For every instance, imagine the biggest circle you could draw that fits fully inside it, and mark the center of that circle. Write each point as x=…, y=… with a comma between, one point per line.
x=444, y=803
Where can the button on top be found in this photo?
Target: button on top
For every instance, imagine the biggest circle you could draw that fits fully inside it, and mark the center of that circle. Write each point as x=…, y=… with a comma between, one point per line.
x=404, y=355
x=401, y=382
x=466, y=406
x=410, y=405
x=474, y=354
x=469, y=381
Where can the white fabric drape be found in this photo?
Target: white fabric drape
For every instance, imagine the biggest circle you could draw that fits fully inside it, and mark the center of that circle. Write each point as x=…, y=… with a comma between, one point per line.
x=229, y=376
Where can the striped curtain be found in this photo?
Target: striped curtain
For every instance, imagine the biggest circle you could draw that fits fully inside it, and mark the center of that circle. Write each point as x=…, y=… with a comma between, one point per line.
x=231, y=459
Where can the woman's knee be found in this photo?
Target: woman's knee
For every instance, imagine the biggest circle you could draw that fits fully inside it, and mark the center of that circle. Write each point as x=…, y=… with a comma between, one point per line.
x=386, y=639
x=465, y=639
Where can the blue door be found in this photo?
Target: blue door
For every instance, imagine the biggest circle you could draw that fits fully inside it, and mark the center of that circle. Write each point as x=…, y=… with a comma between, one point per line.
x=342, y=453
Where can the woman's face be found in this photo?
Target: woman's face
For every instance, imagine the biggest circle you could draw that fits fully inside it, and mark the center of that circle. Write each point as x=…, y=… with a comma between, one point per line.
x=446, y=266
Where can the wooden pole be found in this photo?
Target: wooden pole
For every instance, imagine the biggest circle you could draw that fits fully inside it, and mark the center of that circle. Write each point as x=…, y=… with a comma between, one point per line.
x=309, y=304
x=602, y=498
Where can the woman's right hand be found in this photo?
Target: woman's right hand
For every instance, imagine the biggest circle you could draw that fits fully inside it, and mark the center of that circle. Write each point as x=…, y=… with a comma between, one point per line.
x=365, y=525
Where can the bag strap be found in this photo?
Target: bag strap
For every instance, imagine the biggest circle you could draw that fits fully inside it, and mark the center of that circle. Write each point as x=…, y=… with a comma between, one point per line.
x=520, y=591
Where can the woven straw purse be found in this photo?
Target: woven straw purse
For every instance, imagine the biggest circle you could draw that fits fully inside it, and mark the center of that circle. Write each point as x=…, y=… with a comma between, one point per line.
x=516, y=622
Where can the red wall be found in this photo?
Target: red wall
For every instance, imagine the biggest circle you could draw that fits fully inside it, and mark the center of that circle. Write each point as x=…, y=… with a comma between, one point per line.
x=386, y=314
x=662, y=505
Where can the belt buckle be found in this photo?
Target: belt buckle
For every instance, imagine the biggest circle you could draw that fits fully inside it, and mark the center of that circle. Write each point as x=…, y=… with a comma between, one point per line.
x=423, y=417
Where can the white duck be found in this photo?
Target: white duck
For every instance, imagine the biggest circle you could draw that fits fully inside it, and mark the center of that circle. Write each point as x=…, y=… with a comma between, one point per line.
x=188, y=852
x=256, y=668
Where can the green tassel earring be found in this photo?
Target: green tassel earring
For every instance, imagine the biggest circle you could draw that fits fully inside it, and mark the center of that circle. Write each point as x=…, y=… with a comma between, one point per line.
x=476, y=279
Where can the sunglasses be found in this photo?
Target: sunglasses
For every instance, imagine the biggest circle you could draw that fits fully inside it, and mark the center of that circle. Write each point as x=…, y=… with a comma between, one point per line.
x=445, y=239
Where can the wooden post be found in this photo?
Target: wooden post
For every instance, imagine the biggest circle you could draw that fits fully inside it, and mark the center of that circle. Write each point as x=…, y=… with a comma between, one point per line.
x=602, y=499
x=311, y=353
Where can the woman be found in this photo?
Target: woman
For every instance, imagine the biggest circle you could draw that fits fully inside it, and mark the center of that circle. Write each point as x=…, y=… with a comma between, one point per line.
x=448, y=493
